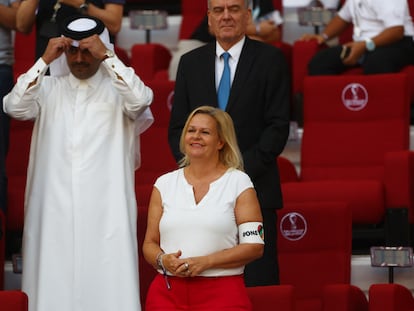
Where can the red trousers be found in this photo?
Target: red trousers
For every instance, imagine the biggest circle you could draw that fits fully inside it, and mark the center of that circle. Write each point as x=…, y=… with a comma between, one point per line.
x=198, y=294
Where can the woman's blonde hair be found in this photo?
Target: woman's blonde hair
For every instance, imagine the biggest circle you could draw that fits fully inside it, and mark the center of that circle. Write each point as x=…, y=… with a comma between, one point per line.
x=230, y=154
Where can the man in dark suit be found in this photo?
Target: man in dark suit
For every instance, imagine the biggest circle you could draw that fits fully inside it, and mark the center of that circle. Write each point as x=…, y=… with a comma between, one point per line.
x=258, y=103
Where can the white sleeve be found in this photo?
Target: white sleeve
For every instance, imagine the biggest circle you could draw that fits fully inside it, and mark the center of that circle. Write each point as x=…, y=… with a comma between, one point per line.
x=22, y=102
x=137, y=96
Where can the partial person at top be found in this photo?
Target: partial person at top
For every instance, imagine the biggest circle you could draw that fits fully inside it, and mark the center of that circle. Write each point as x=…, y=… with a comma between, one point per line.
x=255, y=92
x=47, y=14
x=204, y=221
x=382, y=40
x=265, y=26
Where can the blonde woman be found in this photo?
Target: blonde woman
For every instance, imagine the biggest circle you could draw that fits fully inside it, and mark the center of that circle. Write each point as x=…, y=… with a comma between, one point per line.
x=204, y=222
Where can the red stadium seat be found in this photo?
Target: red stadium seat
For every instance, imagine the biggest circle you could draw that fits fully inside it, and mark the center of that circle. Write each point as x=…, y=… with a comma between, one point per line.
x=272, y=297
x=156, y=157
x=16, y=165
x=344, y=297
x=314, y=249
x=24, y=52
x=390, y=297
x=151, y=61
x=13, y=300
x=355, y=147
x=122, y=55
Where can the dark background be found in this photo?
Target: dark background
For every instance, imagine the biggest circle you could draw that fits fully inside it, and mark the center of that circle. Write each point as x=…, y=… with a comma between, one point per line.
x=173, y=7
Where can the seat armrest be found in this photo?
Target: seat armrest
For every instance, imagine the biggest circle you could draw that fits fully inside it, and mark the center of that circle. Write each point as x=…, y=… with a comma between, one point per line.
x=399, y=181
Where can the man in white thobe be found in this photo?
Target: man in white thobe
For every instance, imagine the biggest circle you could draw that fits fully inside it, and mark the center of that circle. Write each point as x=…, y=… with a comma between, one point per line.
x=79, y=241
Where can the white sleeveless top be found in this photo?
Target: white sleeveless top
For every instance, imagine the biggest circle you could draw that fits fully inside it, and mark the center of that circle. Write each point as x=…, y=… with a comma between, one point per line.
x=203, y=228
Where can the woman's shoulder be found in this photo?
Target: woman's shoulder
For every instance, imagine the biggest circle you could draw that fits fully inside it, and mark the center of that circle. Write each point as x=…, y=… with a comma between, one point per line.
x=167, y=177
x=238, y=174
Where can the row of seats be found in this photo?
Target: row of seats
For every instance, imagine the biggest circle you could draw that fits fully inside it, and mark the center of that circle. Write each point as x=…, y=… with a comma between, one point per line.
x=355, y=149
x=314, y=248
x=157, y=159
x=390, y=297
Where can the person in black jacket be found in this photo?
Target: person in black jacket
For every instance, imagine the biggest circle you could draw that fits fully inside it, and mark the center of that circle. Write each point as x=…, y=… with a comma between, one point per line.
x=258, y=104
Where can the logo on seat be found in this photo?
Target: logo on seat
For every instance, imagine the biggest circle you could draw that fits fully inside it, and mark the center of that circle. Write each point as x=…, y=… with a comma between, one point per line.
x=293, y=226
x=355, y=96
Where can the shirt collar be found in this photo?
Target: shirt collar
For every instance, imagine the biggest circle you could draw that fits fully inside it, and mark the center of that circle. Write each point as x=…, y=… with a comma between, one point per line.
x=234, y=51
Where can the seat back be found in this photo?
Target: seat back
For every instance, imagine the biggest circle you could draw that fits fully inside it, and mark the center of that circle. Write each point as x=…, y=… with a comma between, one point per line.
x=16, y=165
x=148, y=59
x=156, y=157
x=13, y=300
x=122, y=55
x=314, y=249
x=277, y=297
x=350, y=123
x=24, y=52
x=411, y=7
x=192, y=13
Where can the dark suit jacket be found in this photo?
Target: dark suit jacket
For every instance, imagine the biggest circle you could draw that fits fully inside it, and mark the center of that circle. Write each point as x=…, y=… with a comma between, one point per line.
x=258, y=103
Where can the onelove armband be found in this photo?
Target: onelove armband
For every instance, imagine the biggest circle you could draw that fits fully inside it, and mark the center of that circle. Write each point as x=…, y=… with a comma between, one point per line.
x=251, y=232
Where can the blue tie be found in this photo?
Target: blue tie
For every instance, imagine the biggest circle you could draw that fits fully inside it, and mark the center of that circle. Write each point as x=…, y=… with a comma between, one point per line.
x=224, y=86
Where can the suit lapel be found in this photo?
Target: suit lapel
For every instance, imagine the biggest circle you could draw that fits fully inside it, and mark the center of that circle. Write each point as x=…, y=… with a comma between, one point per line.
x=207, y=65
x=211, y=74
x=243, y=70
